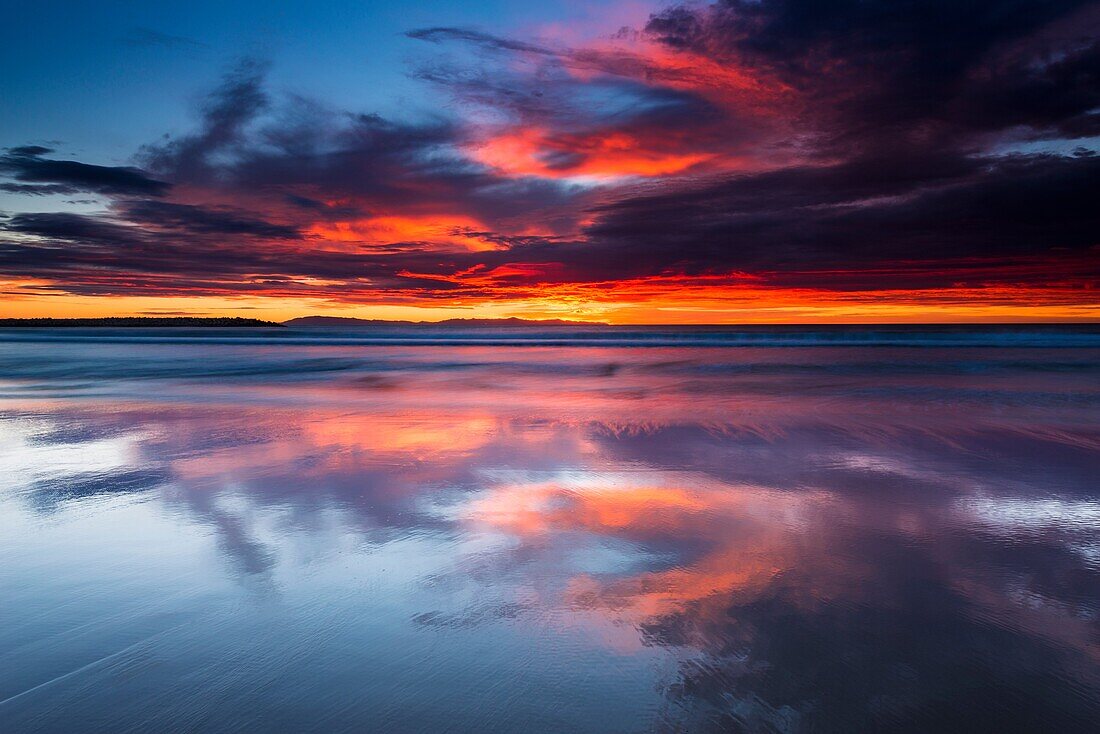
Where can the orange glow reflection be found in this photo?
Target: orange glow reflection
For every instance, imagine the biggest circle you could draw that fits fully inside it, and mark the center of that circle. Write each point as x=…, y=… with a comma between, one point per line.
x=748, y=534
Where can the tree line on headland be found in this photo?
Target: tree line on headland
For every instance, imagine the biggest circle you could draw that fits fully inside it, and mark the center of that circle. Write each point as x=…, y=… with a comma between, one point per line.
x=136, y=321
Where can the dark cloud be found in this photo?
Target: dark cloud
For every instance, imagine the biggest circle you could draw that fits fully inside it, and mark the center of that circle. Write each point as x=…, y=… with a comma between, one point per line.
x=203, y=220
x=863, y=213
x=26, y=164
x=38, y=189
x=29, y=150
x=910, y=72
x=225, y=115
x=74, y=228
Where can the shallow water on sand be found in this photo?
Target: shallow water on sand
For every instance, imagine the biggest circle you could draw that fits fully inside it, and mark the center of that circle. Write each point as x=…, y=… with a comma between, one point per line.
x=243, y=533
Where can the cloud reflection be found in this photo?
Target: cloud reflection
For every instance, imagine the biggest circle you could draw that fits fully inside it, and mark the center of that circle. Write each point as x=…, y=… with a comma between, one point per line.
x=873, y=543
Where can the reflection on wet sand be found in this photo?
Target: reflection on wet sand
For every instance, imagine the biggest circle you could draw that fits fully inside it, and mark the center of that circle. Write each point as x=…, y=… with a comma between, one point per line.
x=757, y=540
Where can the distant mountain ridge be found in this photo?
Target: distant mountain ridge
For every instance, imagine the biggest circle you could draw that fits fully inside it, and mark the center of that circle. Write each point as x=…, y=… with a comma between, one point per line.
x=509, y=323
x=348, y=322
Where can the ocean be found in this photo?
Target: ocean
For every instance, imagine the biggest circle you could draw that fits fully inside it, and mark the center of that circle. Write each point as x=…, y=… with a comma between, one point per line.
x=778, y=529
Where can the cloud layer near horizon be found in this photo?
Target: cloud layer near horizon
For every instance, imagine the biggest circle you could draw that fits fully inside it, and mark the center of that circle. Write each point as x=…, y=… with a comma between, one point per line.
x=909, y=153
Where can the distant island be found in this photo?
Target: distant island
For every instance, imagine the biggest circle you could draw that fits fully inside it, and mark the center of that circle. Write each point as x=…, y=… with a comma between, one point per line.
x=152, y=322
x=510, y=323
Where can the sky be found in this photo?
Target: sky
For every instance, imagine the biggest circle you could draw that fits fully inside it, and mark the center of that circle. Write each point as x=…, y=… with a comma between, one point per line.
x=746, y=161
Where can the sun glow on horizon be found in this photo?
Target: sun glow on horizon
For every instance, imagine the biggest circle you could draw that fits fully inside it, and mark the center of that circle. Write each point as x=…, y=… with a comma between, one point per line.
x=671, y=305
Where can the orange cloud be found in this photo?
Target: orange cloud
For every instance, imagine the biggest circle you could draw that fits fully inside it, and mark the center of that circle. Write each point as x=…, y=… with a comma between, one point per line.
x=598, y=155
x=444, y=229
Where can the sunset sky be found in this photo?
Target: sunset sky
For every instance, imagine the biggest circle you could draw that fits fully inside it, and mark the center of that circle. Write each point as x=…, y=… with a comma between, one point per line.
x=630, y=162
